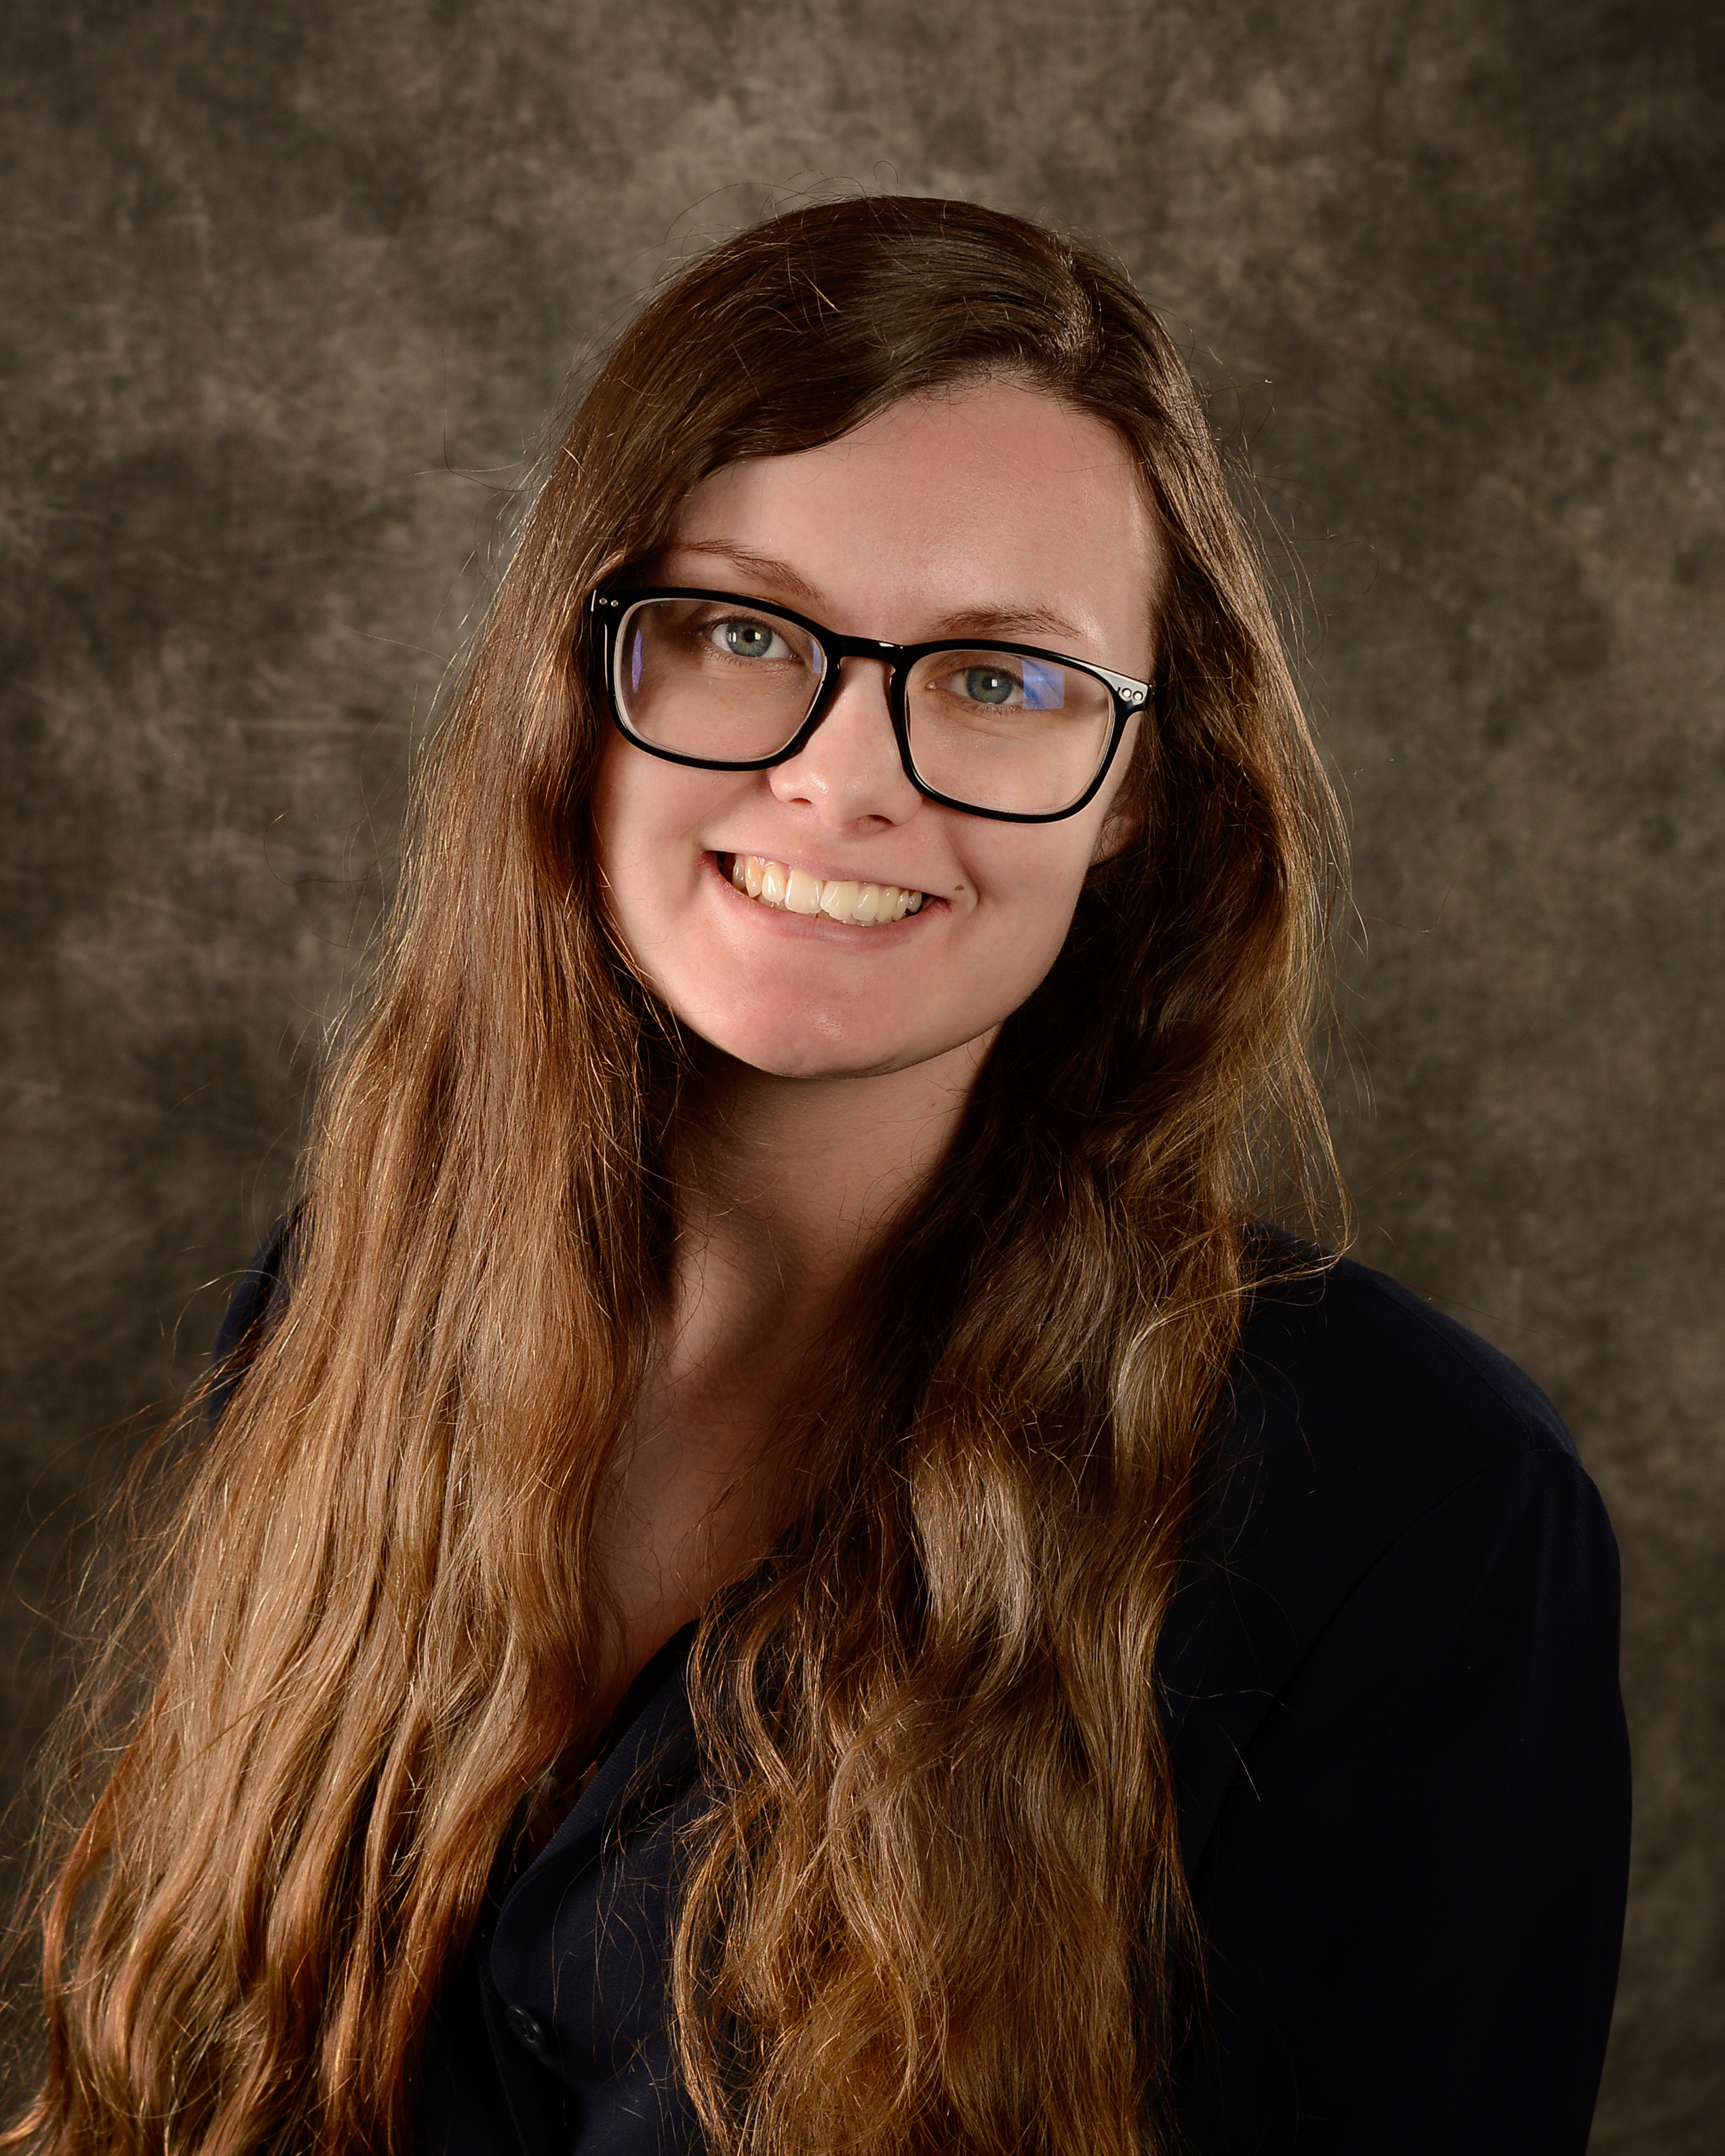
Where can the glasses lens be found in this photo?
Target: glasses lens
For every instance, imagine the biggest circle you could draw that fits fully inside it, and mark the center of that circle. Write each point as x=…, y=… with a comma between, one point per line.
x=996, y=729
x=716, y=679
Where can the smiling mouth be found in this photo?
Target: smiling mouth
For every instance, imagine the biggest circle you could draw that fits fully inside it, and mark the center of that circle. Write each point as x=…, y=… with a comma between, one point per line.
x=795, y=891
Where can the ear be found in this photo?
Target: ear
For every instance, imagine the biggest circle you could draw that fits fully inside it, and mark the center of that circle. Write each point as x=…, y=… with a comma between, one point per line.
x=1122, y=824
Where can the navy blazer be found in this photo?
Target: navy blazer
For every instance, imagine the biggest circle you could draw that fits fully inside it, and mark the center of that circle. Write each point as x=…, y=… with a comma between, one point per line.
x=1390, y=1676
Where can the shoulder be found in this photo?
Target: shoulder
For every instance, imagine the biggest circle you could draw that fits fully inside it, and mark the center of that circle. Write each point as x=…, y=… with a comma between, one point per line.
x=1344, y=1377
x=1372, y=1463
x=1390, y=1677
x=1353, y=1413
x=1368, y=1438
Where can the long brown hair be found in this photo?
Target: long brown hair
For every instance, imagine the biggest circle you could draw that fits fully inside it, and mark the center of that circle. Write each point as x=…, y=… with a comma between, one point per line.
x=936, y=1899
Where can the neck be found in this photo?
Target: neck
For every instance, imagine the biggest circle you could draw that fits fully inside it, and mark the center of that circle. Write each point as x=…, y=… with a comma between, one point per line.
x=784, y=1188
x=787, y=1185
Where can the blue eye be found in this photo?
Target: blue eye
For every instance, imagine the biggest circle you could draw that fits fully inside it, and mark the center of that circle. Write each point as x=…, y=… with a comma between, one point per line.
x=749, y=639
x=989, y=685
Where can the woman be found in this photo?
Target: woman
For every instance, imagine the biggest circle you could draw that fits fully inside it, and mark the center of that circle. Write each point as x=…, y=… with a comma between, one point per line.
x=779, y=1566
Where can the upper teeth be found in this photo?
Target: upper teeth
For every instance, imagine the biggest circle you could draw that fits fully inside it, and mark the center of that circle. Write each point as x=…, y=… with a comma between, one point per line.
x=864, y=904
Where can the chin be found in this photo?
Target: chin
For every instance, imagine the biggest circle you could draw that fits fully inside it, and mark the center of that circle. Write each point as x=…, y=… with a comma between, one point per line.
x=800, y=1048
x=791, y=1058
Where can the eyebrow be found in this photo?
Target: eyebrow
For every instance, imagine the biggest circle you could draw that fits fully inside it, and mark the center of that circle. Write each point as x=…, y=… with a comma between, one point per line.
x=766, y=566
x=1009, y=622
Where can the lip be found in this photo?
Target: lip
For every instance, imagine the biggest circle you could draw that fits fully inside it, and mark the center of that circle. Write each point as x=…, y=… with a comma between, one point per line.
x=855, y=935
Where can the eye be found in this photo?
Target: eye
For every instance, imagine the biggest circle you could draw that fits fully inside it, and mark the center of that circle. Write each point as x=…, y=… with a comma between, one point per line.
x=986, y=685
x=741, y=637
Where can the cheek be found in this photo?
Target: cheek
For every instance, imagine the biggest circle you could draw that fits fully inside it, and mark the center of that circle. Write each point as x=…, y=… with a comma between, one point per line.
x=615, y=814
x=629, y=827
x=641, y=810
x=1032, y=871
x=1028, y=887
x=615, y=806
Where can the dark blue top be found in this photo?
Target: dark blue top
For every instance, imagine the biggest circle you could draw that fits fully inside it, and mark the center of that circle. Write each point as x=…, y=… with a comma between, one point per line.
x=1390, y=1679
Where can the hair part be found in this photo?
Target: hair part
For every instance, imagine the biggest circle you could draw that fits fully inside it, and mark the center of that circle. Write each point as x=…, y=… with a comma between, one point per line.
x=936, y=1901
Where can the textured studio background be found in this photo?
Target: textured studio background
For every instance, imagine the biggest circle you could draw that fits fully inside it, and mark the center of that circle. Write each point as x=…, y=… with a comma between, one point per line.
x=288, y=290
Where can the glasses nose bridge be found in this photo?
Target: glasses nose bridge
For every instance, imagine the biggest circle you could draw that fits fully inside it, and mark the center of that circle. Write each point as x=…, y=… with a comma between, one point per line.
x=837, y=648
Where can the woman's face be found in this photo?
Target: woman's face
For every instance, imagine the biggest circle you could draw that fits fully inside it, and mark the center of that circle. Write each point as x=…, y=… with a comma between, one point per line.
x=993, y=511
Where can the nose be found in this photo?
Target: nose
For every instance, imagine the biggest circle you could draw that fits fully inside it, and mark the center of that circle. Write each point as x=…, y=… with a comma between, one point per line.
x=849, y=772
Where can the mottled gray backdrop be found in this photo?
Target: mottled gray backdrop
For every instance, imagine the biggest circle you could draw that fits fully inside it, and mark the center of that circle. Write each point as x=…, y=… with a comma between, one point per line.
x=287, y=289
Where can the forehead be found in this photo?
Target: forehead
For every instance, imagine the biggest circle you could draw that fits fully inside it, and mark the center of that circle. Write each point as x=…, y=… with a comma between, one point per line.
x=992, y=494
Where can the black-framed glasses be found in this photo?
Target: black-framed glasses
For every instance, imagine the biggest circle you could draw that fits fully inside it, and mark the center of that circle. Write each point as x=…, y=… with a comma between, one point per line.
x=726, y=683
